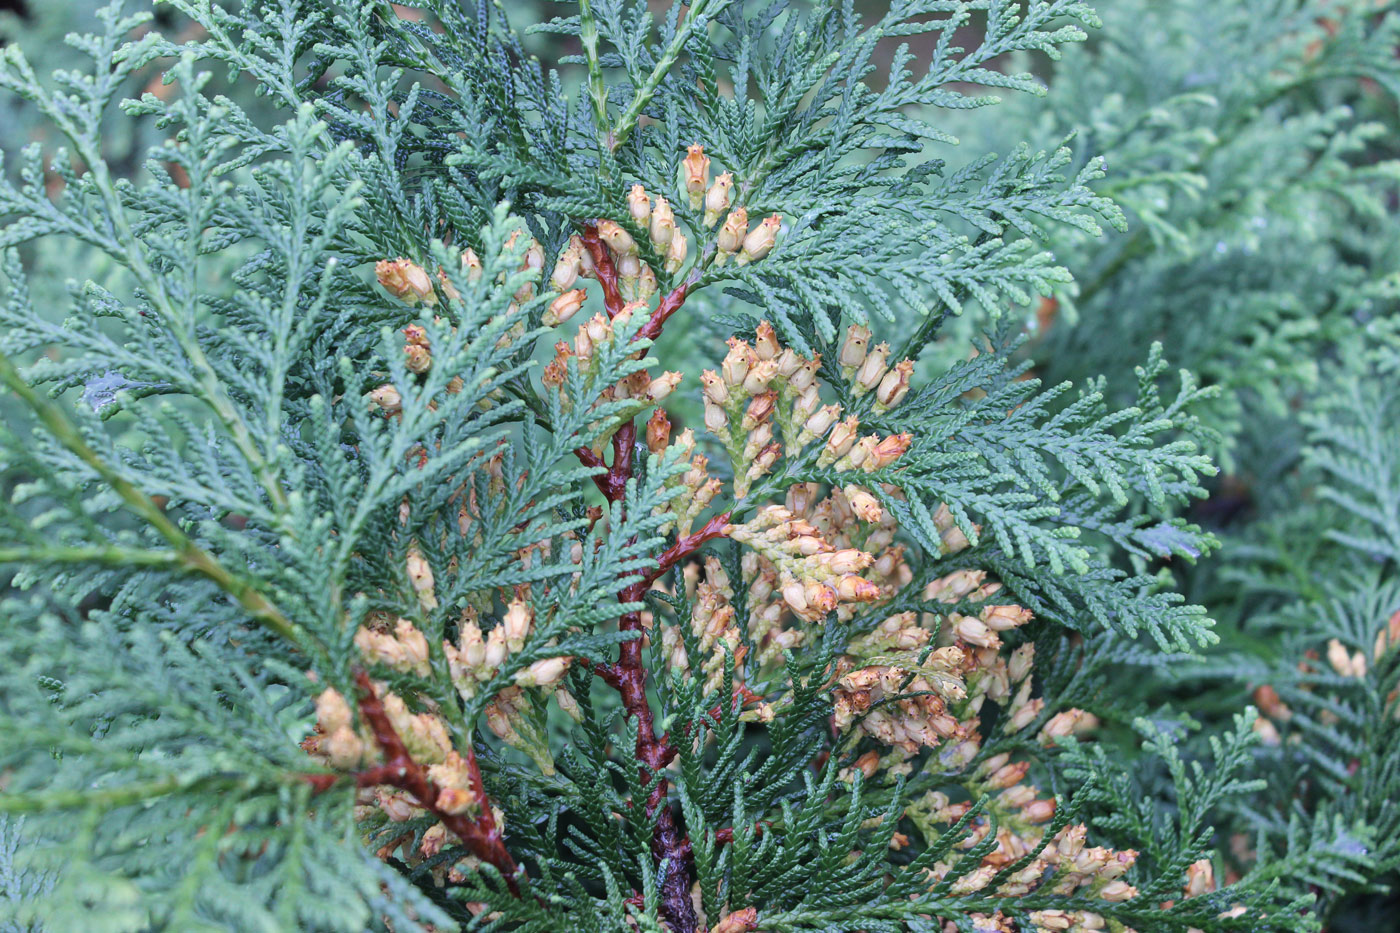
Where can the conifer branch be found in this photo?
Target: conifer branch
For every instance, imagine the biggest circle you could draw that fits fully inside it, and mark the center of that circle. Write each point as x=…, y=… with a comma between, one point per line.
x=480, y=834
x=699, y=12
x=941, y=578
x=106, y=555
x=597, y=86
x=191, y=556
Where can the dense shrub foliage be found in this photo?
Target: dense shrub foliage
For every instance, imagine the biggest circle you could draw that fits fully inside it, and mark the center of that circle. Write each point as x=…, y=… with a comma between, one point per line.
x=728, y=478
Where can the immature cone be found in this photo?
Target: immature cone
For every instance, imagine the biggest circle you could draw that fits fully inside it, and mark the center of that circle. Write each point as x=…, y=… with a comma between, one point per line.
x=731, y=235
x=638, y=204
x=534, y=257
x=658, y=431
x=1060, y=725
x=544, y=673
x=563, y=307
x=872, y=368
x=332, y=712
x=471, y=264
x=819, y=423
x=407, y=281
x=715, y=387
x=629, y=271
x=842, y=438
x=447, y=287
x=455, y=790
x=618, y=239
x=741, y=921
x=516, y=624
x=717, y=198
x=695, y=175
x=387, y=398
x=343, y=748
x=854, y=348
x=894, y=386
x=735, y=366
x=766, y=346
x=675, y=254
x=646, y=283
x=566, y=269
x=420, y=574
x=585, y=258
x=663, y=225
x=417, y=357
x=662, y=386
x=1200, y=878
x=953, y=538
x=1118, y=891
x=760, y=240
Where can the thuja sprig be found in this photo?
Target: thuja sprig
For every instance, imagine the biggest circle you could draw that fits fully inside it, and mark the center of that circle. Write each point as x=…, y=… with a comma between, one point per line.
x=586, y=646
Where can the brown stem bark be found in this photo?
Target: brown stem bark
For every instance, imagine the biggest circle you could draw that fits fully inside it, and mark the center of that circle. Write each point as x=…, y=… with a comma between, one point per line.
x=629, y=675
x=479, y=834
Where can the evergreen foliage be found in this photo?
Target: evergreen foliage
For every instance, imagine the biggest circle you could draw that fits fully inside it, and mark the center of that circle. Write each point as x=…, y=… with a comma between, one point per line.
x=369, y=573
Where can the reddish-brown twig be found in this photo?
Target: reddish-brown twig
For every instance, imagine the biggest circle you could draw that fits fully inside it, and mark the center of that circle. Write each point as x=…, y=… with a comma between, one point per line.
x=479, y=834
x=628, y=675
x=603, y=269
x=668, y=306
x=714, y=528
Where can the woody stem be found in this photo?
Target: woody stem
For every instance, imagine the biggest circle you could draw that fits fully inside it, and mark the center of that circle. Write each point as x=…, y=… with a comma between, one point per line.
x=628, y=675
x=480, y=834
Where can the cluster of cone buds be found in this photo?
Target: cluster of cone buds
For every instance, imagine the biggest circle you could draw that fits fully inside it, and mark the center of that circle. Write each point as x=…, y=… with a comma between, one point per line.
x=640, y=389
x=813, y=575
x=1018, y=806
x=712, y=622
x=688, y=493
x=865, y=370
x=713, y=625
x=758, y=390
x=904, y=705
x=418, y=359
x=1200, y=880
x=800, y=561
x=411, y=283
x=476, y=658
x=994, y=675
x=691, y=492
x=868, y=369
x=952, y=538
x=338, y=743
x=515, y=714
x=1343, y=662
x=1065, y=867
x=637, y=280
x=734, y=238
x=968, y=669
x=799, y=555
x=883, y=691
x=814, y=556
x=402, y=648
x=406, y=281
x=765, y=390
x=344, y=747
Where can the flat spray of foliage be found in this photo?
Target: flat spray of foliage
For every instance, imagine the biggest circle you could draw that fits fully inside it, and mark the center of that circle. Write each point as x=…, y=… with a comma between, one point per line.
x=370, y=571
